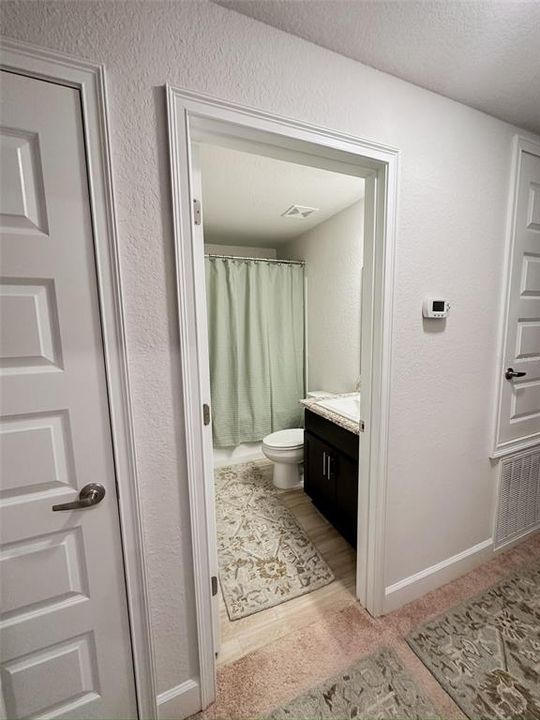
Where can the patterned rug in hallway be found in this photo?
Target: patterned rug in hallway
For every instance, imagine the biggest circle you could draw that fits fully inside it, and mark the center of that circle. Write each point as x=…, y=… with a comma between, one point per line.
x=265, y=557
x=375, y=687
x=486, y=652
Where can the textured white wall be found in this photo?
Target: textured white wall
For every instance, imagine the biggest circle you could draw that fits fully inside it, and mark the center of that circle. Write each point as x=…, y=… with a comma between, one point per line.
x=455, y=166
x=333, y=255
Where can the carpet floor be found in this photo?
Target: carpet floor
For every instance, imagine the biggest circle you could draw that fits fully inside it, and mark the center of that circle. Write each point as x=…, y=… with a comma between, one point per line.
x=265, y=557
x=377, y=686
x=486, y=652
x=270, y=678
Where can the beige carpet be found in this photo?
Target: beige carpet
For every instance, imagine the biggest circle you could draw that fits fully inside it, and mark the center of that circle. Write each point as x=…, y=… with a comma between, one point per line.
x=273, y=676
x=265, y=557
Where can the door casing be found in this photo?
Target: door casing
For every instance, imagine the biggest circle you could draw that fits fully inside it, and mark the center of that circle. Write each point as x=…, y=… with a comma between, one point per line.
x=194, y=116
x=89, y=79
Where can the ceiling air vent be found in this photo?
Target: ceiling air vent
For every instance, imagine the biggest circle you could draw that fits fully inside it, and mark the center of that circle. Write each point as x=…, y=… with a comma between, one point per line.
x=301, y=212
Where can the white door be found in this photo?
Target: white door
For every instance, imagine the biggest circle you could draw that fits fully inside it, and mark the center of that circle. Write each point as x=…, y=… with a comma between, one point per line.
x=204, y=379
x=64, y=635
x=519, y=409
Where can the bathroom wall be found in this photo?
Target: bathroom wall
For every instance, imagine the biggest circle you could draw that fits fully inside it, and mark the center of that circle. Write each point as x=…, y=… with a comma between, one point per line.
x=240, y=250
x=333, y=255
x=454, y=179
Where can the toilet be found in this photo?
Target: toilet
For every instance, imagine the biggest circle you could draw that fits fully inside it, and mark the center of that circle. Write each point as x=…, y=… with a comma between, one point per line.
x=285, y=448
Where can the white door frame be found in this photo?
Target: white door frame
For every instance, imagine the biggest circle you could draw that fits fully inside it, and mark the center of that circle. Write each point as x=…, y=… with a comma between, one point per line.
x=501, y=449
x=89, y=79
x=189, y=112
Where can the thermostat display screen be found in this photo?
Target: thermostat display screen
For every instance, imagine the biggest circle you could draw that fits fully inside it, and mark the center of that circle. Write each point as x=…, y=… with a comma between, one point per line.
x=435, y=307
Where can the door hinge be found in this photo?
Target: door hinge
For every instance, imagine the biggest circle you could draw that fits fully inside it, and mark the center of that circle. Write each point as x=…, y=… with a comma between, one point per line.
x=206, y=414
x=362, y=426
x=214, y=585
x=196, y=211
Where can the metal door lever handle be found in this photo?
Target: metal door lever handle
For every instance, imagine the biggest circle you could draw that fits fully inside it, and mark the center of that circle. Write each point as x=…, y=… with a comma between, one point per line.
x=90, y=494
x=511, y=373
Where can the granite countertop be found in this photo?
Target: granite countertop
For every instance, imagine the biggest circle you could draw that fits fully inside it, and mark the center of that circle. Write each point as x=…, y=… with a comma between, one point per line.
x=336, y=418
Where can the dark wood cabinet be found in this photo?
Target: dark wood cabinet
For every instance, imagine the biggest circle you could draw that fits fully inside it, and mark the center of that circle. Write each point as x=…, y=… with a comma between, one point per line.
x=317, y=459
x=331, y=472
x=345, y=476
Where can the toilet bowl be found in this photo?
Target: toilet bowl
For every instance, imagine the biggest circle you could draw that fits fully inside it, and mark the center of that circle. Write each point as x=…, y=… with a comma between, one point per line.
x=285, y=448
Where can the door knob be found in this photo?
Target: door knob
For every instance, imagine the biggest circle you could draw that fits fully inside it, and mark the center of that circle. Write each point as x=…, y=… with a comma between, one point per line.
x=511, y=373
x=90, y=494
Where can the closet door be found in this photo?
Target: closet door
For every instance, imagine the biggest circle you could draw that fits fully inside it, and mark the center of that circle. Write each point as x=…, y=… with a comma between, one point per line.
x=519, y=406
x=64, y=633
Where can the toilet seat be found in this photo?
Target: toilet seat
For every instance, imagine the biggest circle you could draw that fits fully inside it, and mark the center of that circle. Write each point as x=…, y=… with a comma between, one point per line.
x=285, y=439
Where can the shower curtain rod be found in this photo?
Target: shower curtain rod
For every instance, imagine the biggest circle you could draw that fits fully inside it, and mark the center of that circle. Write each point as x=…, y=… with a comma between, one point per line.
x=256, y=259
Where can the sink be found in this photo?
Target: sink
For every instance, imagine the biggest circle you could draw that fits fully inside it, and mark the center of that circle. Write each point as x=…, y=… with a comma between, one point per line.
x=347, y=406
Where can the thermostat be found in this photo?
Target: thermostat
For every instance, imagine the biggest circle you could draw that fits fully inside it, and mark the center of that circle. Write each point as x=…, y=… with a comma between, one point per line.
x=435, y=308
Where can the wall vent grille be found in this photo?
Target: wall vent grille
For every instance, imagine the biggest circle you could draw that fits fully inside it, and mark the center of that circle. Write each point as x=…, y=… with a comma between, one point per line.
x=519, y=497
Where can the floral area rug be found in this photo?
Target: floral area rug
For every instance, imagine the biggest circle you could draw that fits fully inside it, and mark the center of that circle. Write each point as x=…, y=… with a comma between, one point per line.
x=375, y=687
x=265, y=557
x=486, y=652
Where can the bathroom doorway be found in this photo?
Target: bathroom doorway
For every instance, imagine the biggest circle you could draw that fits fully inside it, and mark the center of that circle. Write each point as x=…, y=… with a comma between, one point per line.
x=195, y=121
x=283, y=248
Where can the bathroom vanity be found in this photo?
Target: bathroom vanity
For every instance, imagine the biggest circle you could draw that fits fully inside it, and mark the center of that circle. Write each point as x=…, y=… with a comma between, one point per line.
x=331, y=470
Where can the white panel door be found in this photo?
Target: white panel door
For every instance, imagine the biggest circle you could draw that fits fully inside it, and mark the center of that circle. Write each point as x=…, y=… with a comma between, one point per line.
x=64, y=635
x=519, y=415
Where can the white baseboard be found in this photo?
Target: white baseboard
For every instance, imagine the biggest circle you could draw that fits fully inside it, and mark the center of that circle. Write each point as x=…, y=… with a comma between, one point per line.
x=179, y=702
x=414, y=586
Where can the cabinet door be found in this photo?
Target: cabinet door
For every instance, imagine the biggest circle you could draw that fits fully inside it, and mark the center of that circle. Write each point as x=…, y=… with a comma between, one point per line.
x=317, y=484
x=344, y=474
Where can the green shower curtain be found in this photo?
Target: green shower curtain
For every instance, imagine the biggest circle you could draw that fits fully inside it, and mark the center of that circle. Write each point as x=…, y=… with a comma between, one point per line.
x=256, y=343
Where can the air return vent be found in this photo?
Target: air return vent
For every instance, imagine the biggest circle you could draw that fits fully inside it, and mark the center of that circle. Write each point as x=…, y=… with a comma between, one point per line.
x=519, y=496
x=300, y=212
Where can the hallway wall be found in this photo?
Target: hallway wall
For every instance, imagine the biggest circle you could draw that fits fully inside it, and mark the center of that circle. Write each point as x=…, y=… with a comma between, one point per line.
x=454, y=180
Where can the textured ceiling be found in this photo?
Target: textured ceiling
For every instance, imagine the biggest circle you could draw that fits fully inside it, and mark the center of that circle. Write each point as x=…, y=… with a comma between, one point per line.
x=485, y=54
x=245, y=195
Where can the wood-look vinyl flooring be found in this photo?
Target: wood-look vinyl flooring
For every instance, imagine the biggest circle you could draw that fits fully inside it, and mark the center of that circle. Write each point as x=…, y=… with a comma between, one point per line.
x=240, y=637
